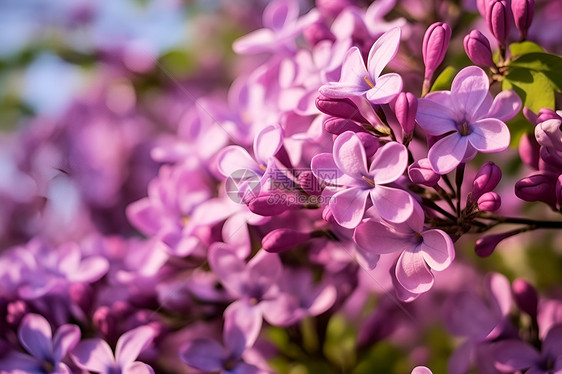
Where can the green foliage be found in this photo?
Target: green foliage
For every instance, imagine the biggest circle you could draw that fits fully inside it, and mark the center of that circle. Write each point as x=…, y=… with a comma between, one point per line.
x=444, y=80
x=518, y=49
x=535, y=76
x=340, y=345
x=534, y=88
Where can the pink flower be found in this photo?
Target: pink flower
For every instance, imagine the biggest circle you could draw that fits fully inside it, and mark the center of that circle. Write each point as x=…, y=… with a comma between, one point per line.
x=360, y=80
x=347, y=168
x=468, y=117
x=421, y=250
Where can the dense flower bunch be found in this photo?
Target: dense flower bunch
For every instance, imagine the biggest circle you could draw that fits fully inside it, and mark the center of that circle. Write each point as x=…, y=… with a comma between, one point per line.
x=321, y=216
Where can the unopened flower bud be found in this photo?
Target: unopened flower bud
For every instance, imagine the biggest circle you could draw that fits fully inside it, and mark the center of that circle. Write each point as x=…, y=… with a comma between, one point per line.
x=550, y=161
x=486, y=179
x=497, y=16
x=529, y=150
x=477, y=48
x=317, y=32
x=269, y=204
x=546, y=114
x=526, y=297
x=537, y=187
x=486, y=245
x=343, y=108
x=435, y=44
x=549, y=134
x=309, y=183
x=337, y=126
x=281, y=240
x=370, y=143
x=523, y=11
x=420, y=172
x=405, y=109
x=489, y=202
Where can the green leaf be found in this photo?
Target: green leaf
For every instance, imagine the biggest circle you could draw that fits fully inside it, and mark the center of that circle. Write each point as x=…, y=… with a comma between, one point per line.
x=340, y=343
x=534, y=88
x=518, y=49
x=549, y=65
x=444, y=80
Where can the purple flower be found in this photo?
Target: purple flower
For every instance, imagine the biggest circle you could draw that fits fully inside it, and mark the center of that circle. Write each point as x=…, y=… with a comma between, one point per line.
x=96, y=355
x=515, y=355
x=360, y=80
x=254, y=285
x=166, y=212
x=347, y=169
x=468, y=118
x=282, y=25
x=421, y=250
x=47, y=351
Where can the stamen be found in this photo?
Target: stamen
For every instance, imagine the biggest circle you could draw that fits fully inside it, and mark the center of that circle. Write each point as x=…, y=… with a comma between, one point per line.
x=464, y=129
x=369, y=82
x=369, y=180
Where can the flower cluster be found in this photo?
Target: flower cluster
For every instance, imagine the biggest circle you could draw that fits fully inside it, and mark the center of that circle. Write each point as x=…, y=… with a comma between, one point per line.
x=319, y=214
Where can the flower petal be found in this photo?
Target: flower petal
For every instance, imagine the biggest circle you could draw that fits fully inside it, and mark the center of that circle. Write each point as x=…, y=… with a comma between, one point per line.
x=447, y=153
x=383, y=51
x=412, y=273
x=349, y=155
x=469, y=90
x=325, y=169
x=132, y=343
x=375, y=237
x=264, y=270
x=353, y=77
x=489, y=135
x=204, y=354
x=387, y=87
x=94, y=355
x=392, y=204
x=513, y=355
x=242, y=325
x=435, y=118
x=505, y=106
x=228, y=267
x=552, y=343
x=437, y=249
x=348, y=206
x=35, y=335
x=234, y=158
x=267, y=142
x=280, y=13
x=389, y=163
x=65, y=339
x=254, y=42
x=138, y=367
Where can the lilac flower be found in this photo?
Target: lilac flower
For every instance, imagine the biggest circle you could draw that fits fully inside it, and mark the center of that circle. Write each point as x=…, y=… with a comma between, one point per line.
x=421, y=250
x=254, y=285
x=514, y=355
x=467, y=314
x=47, y=351
x=421, y=370
x=358, y=80
x=210, y=356
x=266, y=144
x=467, y=118
x=347, y=168
x=282, y=25
x=166, y=212
x=96, y=355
